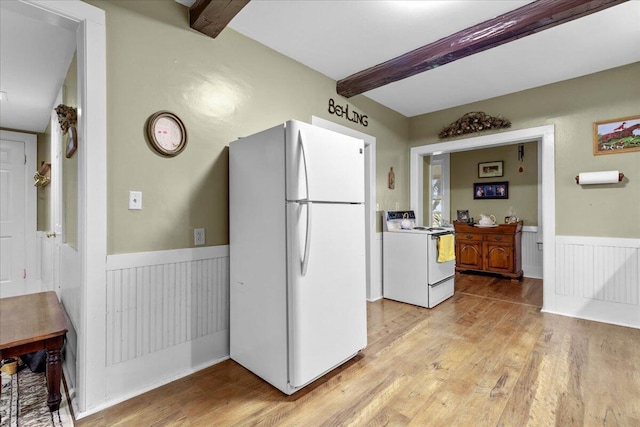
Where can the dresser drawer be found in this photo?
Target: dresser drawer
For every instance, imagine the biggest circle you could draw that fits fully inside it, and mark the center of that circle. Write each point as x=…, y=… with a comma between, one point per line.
x=501, y=238
x=469, y=237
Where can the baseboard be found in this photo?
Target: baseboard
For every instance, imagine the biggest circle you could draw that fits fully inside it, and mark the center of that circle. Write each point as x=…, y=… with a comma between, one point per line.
x=532, y=272
x=170, y=358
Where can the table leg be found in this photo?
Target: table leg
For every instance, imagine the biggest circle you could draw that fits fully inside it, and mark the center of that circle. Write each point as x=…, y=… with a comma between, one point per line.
x=54, y=376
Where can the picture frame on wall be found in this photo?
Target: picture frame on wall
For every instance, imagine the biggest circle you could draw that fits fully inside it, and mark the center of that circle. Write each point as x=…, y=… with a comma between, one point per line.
x=491, y=169
x=616, y=136
x=463, y=216
x=72, y=142
x=491, y=190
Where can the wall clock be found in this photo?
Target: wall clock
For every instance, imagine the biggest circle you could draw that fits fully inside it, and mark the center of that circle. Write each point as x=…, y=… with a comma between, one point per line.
x=166, y=133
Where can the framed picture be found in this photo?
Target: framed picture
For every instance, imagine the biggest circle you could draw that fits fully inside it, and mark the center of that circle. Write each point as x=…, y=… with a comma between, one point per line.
x=491, y=190
x=616, y=136
x=72, y=142
x=490, y=169
x=463, y=216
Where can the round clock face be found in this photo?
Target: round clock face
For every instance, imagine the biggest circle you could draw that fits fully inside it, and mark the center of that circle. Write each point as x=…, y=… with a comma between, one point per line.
x=166, y=133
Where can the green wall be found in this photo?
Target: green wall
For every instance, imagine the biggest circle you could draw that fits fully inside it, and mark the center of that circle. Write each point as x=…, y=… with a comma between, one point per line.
x=222, y=89
x=572, y=107
x=44, y=193
x=523, y=186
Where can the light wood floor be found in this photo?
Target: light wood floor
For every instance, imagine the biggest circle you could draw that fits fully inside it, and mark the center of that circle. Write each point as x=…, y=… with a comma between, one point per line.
x=485, y=357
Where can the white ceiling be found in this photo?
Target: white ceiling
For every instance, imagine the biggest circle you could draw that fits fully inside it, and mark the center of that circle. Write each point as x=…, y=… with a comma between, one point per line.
x=339, y=38
x=36, y=49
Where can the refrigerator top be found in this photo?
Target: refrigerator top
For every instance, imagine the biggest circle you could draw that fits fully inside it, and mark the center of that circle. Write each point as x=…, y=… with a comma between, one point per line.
x=322, y=165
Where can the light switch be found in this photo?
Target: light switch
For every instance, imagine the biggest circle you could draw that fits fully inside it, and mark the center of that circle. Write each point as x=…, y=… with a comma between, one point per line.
x=135, y=200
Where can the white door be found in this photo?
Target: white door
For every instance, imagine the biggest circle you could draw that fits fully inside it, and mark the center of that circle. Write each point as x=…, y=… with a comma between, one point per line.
x=12, y=218
x=327, y=305
x=322, y=165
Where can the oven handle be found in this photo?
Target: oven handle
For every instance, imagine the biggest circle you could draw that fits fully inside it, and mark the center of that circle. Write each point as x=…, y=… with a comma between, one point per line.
x=442, y=282
x=437, y=236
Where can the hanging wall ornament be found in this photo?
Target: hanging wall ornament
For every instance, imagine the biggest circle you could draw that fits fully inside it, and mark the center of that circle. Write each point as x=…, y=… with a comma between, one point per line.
x=474, y=122
x=67, y=117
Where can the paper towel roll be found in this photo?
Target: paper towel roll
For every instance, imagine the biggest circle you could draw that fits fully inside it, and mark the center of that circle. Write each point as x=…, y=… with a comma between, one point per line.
x=603, y=177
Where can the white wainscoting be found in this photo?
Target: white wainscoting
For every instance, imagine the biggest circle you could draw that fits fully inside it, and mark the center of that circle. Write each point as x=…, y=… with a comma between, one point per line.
x=69, y=299
x=598, y=278
x=375, y=288
x=69, y=287
x=44, y=248
x=167, y=316
x=531, y=253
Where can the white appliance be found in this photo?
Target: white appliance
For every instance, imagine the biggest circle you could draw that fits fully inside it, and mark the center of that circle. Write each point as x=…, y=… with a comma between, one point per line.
x=411, y=271
x=297, y=253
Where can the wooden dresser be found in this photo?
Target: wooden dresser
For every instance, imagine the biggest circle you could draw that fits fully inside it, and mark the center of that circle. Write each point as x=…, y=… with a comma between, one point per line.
x=492, y=249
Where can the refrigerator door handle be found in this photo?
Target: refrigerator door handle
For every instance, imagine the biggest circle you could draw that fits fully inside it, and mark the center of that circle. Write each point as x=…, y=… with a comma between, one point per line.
x=304, y=159
x=307, y=242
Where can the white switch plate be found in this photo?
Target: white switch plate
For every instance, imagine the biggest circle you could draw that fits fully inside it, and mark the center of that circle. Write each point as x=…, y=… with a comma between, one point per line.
x=135, y=200
x=198, y=236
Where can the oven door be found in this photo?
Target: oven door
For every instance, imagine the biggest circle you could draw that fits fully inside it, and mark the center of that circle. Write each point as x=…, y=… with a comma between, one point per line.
x=438, y=271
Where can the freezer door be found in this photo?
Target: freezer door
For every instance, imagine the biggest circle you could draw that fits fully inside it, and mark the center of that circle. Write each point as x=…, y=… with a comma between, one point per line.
x=327, y=305
x=322, y=165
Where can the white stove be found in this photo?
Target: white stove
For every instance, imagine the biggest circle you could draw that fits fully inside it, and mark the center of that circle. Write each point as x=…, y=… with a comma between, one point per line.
x=411, y=272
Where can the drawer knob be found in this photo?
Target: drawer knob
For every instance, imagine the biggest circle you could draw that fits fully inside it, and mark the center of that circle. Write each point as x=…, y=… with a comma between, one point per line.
x=498, y=238
x=469, y=236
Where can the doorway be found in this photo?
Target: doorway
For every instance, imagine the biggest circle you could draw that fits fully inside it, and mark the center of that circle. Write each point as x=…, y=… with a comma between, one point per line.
x=544, y=135
x=83, y=277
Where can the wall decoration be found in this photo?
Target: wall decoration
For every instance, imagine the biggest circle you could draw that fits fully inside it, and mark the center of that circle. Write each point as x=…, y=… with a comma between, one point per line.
x=343, y=111
x=492, y=190
x=490, y=169
x=474, y=122
x=616, y=136
x=68, y=117
x=166, y=133
x=42, y=176
x=72, y=142
x=392, y=179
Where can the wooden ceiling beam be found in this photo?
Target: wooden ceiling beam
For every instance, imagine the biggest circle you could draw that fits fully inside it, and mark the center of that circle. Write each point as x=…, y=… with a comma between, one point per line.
x=526, y=20
x=210, y=17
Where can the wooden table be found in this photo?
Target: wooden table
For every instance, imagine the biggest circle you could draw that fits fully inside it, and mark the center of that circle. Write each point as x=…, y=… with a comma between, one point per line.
x=31, y=323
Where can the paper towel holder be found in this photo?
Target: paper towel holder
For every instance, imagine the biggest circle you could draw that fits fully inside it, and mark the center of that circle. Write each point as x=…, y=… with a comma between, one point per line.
x=620, y=177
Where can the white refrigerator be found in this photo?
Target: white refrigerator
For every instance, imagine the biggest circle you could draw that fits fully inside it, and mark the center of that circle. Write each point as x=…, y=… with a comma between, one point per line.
x=297, y=253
